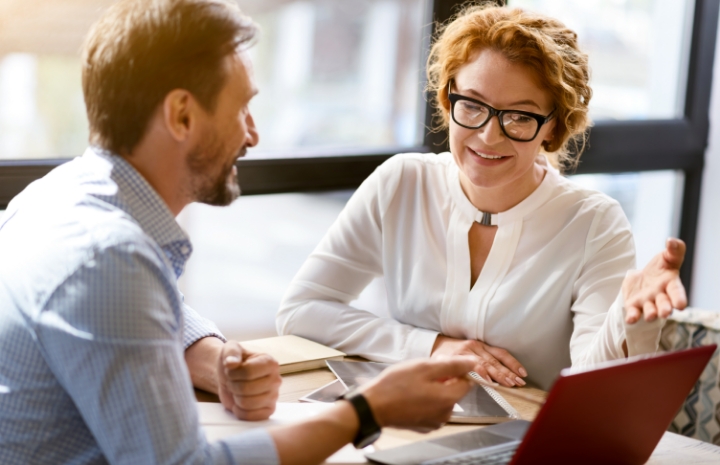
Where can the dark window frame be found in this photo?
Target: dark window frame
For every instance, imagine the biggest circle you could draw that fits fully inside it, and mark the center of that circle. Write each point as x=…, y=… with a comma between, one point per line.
x=614, y=147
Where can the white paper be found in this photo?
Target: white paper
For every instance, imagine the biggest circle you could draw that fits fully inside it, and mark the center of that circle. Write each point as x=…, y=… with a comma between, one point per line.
x=674, y=449
x=213, y=413
x=219, y=423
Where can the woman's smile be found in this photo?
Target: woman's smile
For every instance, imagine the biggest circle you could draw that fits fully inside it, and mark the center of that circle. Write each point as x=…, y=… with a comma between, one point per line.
x=487, y=157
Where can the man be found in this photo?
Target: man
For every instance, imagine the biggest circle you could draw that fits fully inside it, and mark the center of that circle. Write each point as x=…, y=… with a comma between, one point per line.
x=95, y=341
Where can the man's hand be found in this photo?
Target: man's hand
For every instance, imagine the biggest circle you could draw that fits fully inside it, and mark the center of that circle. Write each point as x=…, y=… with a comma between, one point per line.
x=654, y=291
x=492, y=363
x=418, y=394
x=248, y=383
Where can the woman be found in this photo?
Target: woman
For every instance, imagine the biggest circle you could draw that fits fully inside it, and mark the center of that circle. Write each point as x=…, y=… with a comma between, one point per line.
x=487, y=250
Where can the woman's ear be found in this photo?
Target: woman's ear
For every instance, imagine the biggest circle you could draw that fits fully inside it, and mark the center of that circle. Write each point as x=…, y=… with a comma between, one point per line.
x=550, y=135
x=549, y=138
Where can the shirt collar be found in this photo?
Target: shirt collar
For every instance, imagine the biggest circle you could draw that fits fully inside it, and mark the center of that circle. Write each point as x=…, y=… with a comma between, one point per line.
x=138, y=199
x=528, y=205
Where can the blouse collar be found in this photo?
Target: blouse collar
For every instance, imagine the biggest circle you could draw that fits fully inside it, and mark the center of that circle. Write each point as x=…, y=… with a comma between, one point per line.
x=531, y=203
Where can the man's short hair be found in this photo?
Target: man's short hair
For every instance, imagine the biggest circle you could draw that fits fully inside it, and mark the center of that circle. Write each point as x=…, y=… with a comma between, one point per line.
x=142, y=49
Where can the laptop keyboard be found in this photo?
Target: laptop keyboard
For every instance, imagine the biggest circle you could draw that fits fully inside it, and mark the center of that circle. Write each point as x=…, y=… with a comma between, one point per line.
x=494, y=458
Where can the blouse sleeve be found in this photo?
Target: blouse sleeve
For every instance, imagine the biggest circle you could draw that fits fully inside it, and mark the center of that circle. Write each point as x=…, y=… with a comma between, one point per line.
x=598, y=314
x=316, y=304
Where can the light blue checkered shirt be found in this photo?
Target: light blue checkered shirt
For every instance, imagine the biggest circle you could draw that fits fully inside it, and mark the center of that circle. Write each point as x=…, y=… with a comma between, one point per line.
x=93, y=328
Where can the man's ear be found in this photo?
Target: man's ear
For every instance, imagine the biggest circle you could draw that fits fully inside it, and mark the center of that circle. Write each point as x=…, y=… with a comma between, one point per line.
x=180, y=114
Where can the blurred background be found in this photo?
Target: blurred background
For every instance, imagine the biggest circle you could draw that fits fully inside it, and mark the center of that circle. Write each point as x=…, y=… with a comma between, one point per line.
x=339, y=75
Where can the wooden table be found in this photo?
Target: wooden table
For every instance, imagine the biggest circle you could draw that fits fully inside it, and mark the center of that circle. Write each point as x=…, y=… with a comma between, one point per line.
x=673, y=449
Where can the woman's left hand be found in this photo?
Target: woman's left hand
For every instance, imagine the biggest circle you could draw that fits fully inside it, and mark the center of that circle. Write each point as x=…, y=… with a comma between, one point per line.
x=656, y=290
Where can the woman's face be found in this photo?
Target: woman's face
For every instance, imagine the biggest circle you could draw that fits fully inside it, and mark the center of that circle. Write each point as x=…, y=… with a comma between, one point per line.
x=486, y=157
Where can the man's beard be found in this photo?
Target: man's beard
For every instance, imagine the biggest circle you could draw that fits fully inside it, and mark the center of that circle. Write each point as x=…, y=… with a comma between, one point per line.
x=210, y=186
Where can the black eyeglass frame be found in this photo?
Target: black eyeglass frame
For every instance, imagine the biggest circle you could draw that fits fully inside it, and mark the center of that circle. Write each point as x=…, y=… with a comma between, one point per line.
x=541, y=120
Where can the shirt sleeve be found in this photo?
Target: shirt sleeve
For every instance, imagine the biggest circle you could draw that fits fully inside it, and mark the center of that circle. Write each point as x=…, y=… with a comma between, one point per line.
x=197, y=327
x=316, y=304
x=111, y=335
x=598, y=308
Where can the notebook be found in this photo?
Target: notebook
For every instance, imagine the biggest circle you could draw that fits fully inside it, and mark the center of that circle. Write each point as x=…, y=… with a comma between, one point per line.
x=294, y=353
x=615, y=413
x=480, y=405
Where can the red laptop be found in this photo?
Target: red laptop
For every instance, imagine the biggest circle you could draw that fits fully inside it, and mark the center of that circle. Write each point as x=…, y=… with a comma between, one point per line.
x=615, y=413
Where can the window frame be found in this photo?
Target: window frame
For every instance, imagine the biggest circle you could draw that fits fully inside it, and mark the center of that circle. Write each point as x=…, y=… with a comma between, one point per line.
x=614, y=146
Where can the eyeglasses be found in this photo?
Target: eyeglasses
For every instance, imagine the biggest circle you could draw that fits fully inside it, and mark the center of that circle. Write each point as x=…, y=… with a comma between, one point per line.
x=521, y=126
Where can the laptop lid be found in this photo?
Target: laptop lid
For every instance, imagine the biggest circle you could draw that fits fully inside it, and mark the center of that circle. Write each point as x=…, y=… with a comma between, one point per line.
x=615, y=413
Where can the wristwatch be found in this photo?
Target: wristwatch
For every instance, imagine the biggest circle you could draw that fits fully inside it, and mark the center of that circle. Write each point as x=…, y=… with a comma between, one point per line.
x=369, y=430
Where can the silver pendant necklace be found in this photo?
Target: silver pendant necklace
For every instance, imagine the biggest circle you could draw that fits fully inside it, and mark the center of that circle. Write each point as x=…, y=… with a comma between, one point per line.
x=486, y=218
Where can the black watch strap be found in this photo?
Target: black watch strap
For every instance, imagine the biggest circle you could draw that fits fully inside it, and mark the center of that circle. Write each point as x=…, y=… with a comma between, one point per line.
x=369, y=430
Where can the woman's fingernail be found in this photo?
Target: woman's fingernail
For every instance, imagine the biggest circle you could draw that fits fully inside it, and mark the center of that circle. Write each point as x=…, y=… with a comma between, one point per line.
x=520, y=381
x=232, y=359
x=522, y=371
x=510, y=381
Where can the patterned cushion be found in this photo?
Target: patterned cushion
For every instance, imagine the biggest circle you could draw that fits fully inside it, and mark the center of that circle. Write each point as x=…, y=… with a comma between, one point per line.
x=699, y=416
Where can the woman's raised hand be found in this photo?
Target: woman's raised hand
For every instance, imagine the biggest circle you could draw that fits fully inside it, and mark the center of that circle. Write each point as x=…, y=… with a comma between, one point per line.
x=492, y=363
x=656, y=290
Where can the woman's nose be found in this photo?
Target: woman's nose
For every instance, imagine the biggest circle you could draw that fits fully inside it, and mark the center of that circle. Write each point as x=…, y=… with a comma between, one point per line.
x=491, y=133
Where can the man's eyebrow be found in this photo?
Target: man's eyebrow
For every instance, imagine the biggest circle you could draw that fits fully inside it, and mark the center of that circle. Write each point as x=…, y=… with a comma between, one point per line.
x=480, y=97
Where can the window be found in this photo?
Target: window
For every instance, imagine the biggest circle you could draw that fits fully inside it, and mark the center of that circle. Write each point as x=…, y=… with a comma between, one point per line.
x=353, y=126
x=652, y=85
x=338, y=75
x=334, y=75
x=246, y=255
x=650, y=199
x=638, y=53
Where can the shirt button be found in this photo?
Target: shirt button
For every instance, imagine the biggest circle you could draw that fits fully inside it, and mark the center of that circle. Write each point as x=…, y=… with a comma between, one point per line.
x=185, y=250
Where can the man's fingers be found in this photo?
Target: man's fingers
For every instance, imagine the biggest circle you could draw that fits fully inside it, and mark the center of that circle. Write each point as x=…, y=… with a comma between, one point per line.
x=232, y=355
x=450, y=367
x=674, y=253
x=455, y=389
x=254, y=387
x=253, y=415
x=676, y=293
x=254, y=367
x=508, y=360
x=262, y=401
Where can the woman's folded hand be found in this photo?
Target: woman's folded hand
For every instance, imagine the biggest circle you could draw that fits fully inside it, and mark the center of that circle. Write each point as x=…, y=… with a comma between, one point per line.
x=492, y=363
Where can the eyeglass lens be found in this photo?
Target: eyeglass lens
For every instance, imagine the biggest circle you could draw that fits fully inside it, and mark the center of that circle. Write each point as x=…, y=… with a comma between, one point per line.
x=516, y=125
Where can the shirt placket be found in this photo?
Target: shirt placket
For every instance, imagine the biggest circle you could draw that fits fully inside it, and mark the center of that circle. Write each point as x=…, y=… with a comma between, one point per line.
x=491, y=276
x=457, y=284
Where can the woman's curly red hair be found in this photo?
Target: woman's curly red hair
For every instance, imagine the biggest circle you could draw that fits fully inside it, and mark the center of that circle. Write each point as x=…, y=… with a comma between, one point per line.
x=544, y=44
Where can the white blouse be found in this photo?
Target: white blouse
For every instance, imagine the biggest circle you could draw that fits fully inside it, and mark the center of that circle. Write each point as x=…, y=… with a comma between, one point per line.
x=548, y=292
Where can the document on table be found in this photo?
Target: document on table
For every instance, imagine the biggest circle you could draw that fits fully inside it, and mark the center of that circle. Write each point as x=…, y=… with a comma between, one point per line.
x=674, y=448
x=219, y=423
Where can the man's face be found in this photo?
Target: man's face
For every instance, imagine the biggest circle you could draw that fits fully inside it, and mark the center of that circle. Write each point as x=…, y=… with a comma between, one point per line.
x=228, y=132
